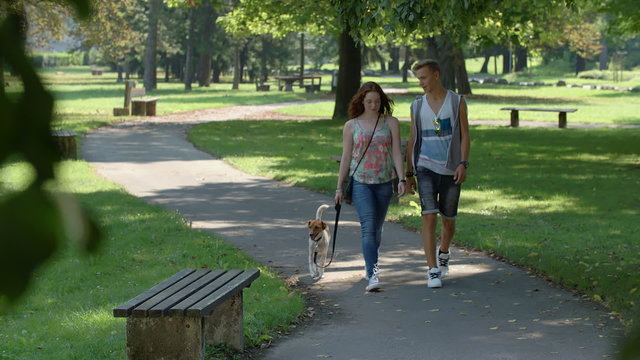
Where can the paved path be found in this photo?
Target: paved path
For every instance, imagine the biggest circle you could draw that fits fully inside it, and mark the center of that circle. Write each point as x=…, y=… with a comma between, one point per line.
x=486, y=309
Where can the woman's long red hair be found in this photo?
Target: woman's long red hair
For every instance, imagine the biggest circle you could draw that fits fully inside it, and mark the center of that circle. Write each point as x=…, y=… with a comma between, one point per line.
x=356, y=106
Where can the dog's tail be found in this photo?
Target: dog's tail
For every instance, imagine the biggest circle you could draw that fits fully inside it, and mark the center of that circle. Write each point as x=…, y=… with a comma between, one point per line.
x=321, y=210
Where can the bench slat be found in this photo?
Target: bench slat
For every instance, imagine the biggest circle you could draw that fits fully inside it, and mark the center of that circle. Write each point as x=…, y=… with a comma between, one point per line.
x=163, y=307
x=142, y=309
x=145, y=100
x=182, y=307
x=537, y=109
x=125, y=309
x=231, y=288
x=137, y=92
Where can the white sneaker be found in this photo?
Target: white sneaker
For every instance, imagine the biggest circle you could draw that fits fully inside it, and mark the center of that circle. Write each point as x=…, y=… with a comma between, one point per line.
x=434, y=278
x=374, y=282
x=443, y=263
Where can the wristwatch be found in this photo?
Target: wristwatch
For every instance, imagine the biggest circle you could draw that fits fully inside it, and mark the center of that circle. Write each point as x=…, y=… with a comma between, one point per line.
x=464, y=163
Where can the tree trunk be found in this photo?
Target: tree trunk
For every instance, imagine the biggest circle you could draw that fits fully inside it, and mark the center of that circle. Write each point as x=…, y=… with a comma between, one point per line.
x=604, y=56
x=407, y=64
x=506, y=61
x=301, y=54
x=485, y=64
x=204, y=70
x=350, y=65
x=207, y=17
x=244, y=56
x=119, y=70
x=441, y=48
x=216, y=72
x=462, y=78
x=521, y=58
x=167, y=70
x=236, y=68
x=264, y=59
x=581, y=64
x=191, y=45
x=394, y=64
x=150, y=76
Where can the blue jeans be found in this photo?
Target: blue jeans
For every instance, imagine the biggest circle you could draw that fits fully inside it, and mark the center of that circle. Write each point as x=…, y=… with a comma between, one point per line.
x=371, y=202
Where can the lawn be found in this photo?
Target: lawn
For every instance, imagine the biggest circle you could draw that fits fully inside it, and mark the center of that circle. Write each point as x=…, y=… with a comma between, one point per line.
x=561, y=202
x=594, y=106
x=73, y=294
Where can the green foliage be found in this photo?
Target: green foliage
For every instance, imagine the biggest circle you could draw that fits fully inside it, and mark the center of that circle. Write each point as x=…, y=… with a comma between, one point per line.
x=43, y=60
x=34, y=222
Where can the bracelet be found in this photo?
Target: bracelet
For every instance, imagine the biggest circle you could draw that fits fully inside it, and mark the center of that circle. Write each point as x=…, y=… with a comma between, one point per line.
x=338, y=190
x=403, y=181
x=409, y=174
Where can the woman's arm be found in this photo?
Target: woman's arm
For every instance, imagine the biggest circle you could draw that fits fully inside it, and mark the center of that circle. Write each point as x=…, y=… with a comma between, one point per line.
x=345, y=160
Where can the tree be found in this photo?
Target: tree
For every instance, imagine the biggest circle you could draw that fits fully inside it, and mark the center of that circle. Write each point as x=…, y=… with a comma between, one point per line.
x=112, y=30
x=151, y=48
x=282, y=17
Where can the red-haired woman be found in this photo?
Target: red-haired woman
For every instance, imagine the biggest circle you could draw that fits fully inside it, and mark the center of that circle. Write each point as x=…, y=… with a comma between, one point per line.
x=371, y=124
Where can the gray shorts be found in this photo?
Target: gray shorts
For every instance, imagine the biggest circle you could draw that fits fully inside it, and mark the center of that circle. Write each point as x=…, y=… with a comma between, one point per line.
x=438, y=193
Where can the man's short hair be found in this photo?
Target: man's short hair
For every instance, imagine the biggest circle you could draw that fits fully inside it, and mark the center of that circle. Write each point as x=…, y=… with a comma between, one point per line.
x=430, y=63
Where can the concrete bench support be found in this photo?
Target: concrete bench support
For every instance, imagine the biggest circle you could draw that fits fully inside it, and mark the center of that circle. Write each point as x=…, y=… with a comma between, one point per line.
x=176, y=318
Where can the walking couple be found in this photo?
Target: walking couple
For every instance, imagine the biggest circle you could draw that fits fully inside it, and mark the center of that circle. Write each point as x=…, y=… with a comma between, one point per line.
x=437, y=155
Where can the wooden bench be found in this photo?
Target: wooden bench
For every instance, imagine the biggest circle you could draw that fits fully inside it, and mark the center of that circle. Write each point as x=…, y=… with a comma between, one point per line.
x=141, y=105
x=65, y=143
x=95, y=71
x=312, y=88
x=176, y=318
x=135, y=103
x=562, y=115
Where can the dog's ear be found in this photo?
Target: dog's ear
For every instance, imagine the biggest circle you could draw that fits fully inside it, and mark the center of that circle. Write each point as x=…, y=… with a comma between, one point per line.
x=309, y=223
x=324, y=225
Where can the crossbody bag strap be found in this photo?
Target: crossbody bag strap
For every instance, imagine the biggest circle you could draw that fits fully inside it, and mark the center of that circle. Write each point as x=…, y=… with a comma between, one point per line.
x=367, y=148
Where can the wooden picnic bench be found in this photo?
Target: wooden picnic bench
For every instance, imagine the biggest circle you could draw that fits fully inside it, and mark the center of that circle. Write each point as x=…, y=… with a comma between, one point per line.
x=562, y=114
x=286, y=82
x=135, y=102
x=177, y=317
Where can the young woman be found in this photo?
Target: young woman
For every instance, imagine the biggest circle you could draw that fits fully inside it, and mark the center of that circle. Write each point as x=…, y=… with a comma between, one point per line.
x=371, y=124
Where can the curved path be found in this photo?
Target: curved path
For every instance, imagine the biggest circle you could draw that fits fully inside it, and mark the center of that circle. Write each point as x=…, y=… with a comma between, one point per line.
x=486, y=309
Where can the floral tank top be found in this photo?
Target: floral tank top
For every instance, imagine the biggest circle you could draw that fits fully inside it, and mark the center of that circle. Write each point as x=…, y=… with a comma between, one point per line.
x=377, y=165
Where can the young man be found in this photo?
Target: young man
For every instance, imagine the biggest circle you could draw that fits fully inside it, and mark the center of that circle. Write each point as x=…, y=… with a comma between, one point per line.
x=437, y=153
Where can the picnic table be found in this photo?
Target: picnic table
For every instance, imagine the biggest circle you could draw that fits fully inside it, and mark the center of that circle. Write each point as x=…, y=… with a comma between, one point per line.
x=287, y=82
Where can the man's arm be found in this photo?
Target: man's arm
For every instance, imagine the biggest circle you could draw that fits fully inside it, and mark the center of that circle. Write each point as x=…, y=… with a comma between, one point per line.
x=465, y=143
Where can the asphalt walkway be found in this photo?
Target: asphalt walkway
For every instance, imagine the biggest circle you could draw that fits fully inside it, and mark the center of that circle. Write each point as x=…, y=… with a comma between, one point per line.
x=486, y=310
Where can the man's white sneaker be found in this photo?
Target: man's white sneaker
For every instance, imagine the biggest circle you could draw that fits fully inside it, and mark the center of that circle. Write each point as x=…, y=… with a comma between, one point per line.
x=434, y=278
x=443, y=263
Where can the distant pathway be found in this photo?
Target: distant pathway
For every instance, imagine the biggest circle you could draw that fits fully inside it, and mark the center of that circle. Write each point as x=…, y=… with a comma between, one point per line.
x=487, y=310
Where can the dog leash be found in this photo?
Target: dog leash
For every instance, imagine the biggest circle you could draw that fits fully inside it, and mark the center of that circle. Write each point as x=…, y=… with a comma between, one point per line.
x=335, y=238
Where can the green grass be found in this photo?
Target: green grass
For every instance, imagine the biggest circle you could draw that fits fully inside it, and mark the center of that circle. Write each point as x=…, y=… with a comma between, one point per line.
x=562, y=202
x=73, y=295
x=78, y=92
x=594, y=106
